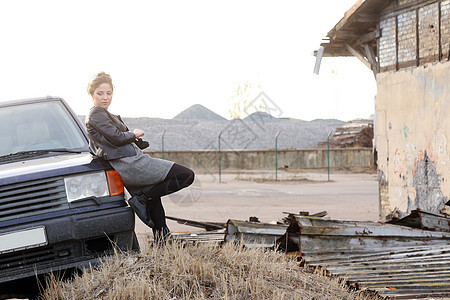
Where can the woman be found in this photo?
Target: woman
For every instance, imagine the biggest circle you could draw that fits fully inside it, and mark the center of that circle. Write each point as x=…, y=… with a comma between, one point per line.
x=146, y=178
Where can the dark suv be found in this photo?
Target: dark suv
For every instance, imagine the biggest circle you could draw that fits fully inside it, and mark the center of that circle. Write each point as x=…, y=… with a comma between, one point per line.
x=60, y=206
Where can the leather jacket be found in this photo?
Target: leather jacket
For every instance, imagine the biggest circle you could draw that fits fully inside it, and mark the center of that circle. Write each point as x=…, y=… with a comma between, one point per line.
x=109, y=134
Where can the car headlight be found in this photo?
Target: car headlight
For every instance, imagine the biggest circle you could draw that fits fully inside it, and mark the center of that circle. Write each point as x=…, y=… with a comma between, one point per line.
x=86, y=185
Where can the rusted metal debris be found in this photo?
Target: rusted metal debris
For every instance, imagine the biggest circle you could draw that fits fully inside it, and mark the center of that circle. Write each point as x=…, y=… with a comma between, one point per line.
x=290, y=216
x=406, y=258
x=208, y=226
x=394, y=260
x=215, y=237
x=425, y=220
x=409, y=272
x=309, y=234
x=254, y=234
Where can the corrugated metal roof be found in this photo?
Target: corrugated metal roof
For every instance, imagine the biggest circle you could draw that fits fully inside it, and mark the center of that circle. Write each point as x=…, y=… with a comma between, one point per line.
x=410, y=271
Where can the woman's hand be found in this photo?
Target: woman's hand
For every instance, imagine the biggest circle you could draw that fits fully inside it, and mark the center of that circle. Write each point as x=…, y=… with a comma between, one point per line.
x=138, y=133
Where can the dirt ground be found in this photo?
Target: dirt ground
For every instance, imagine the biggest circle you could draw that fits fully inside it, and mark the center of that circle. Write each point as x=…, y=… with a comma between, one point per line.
x=243, y=194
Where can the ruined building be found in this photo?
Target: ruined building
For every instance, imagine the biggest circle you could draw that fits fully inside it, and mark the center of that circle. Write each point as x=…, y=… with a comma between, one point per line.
x=406, y=43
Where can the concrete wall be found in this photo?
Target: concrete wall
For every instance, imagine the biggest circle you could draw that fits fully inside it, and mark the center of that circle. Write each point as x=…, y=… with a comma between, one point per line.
x=412, y=108
x=413, y=126
x=352, y=159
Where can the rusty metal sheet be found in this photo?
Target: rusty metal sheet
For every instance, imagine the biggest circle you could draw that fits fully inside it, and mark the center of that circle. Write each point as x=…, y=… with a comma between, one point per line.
x=208, y=226
x=254, y=234
x=200, y=237
x=313, y=221
x=367, y=255
x=425, y=220
x=396, y=261
x=317, y=234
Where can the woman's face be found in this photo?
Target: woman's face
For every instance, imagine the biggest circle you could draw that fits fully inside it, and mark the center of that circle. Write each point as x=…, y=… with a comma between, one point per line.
x=103, y=95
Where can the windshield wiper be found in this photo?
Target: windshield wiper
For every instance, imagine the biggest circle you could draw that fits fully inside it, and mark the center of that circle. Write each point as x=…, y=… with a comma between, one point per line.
x=22, y=154
x=61, y=150
x=31, y=153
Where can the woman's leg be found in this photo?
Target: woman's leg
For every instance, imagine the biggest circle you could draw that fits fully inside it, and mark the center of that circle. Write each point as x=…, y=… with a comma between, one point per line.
x=158, y=215
x=149, y=199
x=178, y=178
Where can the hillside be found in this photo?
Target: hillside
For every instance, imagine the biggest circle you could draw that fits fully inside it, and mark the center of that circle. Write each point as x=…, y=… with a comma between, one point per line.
x=250, y=133
x=198, y=128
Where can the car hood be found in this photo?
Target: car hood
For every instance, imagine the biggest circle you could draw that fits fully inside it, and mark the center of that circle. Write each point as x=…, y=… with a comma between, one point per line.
x=49, y=166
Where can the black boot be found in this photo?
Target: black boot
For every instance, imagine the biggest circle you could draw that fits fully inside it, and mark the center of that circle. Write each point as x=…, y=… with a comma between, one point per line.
x=140, y=207
x=161, y=235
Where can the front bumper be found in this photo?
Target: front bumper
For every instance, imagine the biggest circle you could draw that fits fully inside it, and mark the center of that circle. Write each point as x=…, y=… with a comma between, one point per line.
x=74, y=241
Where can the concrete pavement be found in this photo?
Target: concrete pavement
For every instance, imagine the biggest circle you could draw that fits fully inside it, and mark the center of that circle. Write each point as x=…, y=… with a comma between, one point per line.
x=242, y=194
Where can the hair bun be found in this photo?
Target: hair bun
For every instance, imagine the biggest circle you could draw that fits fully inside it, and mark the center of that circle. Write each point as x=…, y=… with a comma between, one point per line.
x=100, y=78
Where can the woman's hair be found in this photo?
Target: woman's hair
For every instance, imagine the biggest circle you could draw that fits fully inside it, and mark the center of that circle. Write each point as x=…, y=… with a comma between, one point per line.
x=99, y=79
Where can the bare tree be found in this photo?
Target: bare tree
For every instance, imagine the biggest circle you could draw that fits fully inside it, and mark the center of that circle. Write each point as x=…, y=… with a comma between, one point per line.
x=245, y=93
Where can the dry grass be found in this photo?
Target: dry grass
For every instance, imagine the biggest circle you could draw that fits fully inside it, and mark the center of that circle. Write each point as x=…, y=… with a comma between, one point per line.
x=202, y=271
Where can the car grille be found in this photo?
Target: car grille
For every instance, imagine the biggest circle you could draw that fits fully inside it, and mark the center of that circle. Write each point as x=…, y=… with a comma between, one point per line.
x=32, y=198
x=21, y=259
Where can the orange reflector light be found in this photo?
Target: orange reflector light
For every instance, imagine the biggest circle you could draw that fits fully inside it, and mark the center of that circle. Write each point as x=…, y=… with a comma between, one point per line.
x=115, y=183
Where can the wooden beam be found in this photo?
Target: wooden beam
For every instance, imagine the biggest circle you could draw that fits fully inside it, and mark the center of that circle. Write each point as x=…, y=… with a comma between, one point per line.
x=417, y=40
x=335, y=52
x=344, y=34
x=365, y=38
x=378, y=48
x=353, y=9
x=371, y=58
x=440, y=29
x=396, y=42
x=358, y=55
x=366, y=18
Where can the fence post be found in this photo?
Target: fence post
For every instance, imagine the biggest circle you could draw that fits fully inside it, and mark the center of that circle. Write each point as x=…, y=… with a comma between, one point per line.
x=276, y=155
x=328, y=143
x=220, y=166
x=162, y=143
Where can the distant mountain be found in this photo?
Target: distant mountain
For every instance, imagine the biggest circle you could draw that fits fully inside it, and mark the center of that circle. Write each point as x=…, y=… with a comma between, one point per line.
x=253, y=133
x=262, y=117
x=199, y=112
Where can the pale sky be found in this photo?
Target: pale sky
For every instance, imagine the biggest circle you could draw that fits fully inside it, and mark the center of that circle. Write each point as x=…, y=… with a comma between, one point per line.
x=165, y=56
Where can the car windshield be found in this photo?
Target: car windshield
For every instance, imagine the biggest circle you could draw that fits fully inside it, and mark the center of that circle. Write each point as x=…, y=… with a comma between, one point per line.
x=39, y=126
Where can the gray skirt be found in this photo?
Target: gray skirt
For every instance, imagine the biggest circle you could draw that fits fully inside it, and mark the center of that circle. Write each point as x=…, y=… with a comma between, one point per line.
x=141, y=171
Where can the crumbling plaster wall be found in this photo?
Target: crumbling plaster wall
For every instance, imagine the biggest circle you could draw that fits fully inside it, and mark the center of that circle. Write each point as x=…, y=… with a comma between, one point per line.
x=412, y=138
